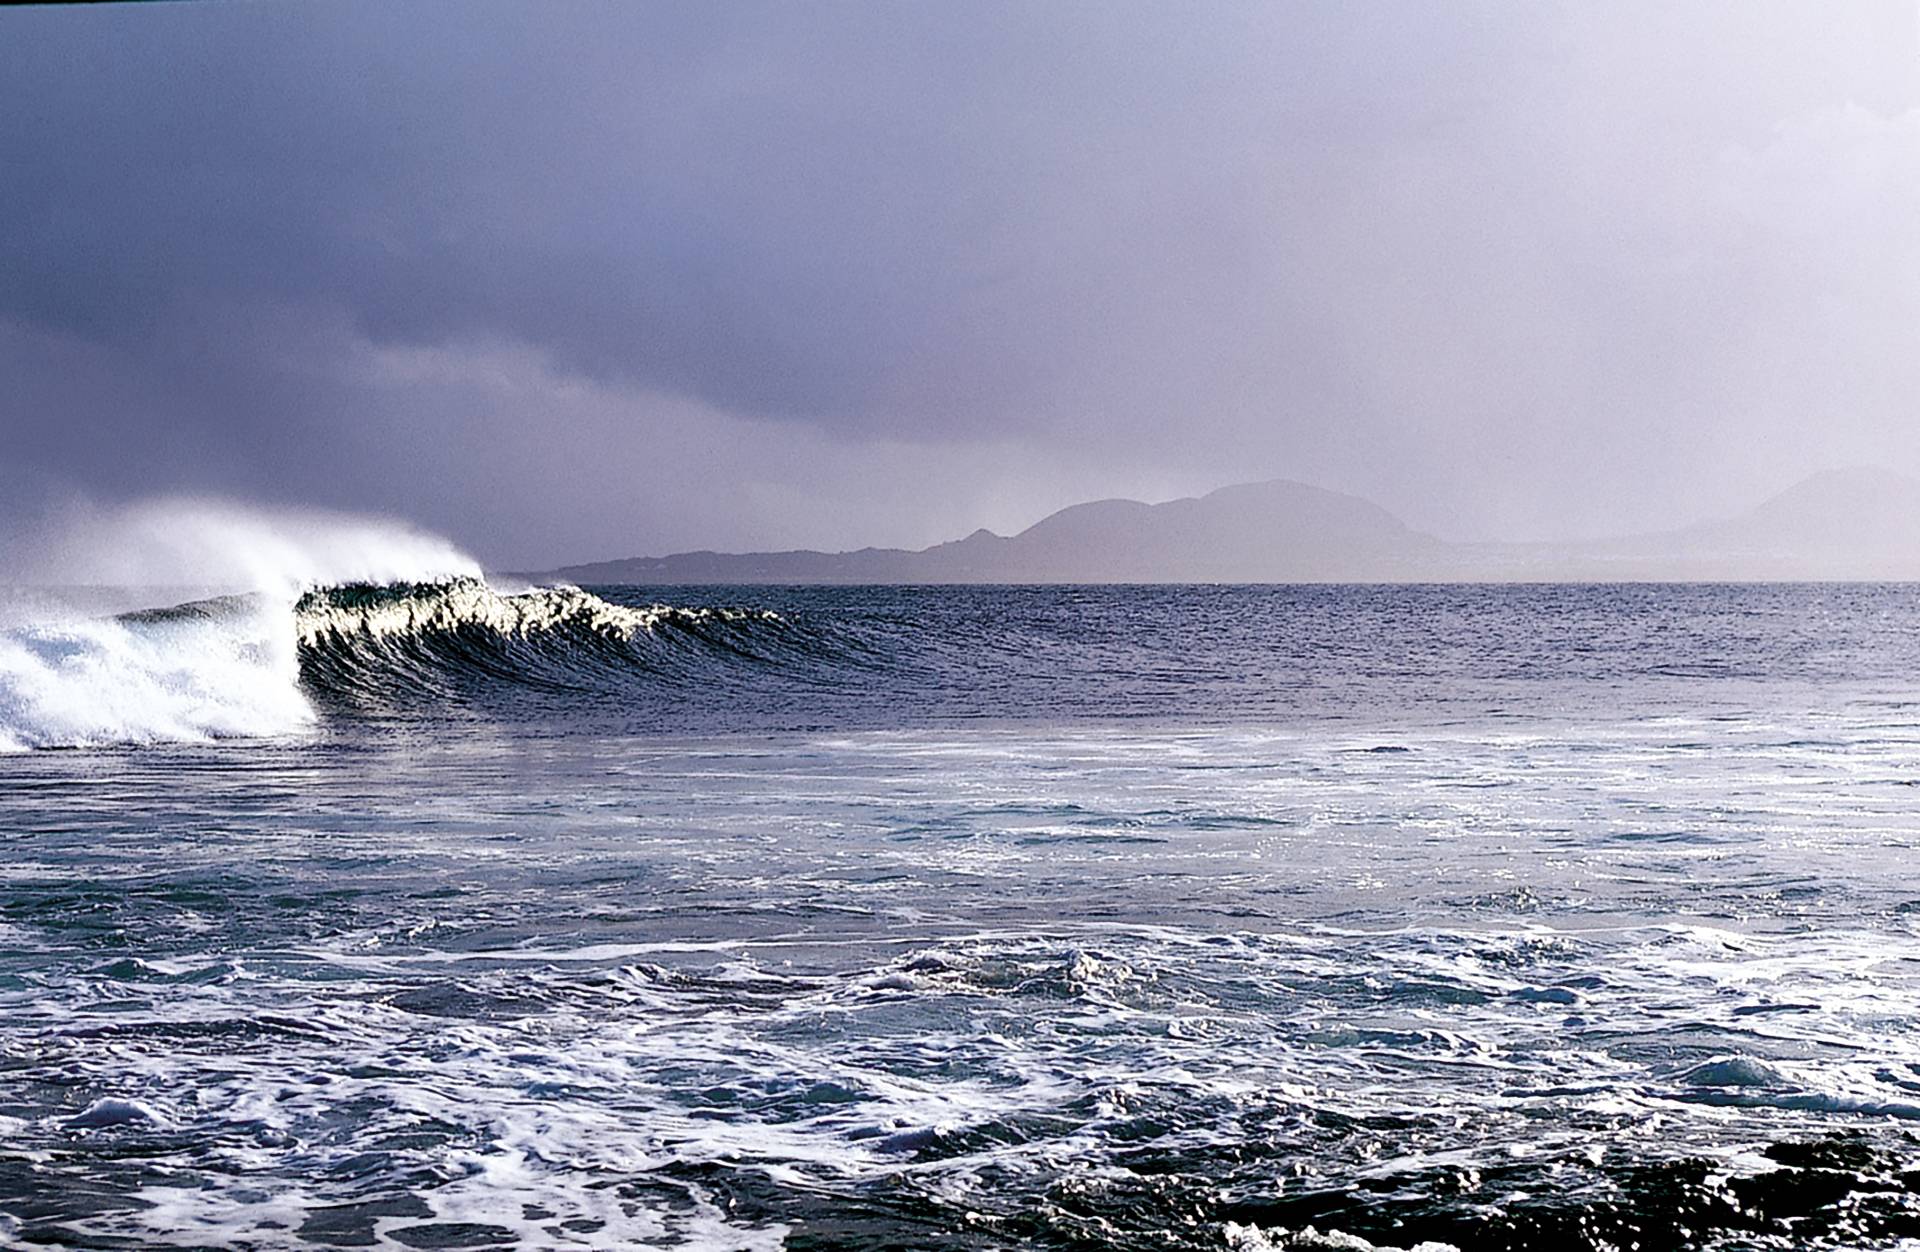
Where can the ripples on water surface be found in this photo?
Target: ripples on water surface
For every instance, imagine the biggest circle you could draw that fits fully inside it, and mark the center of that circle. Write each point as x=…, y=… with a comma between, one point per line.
x=981, y=918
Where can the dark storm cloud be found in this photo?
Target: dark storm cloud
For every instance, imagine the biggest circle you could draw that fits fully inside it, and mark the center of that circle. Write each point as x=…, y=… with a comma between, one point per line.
x=1380, y=245
x=782, y=210
x=740, y=208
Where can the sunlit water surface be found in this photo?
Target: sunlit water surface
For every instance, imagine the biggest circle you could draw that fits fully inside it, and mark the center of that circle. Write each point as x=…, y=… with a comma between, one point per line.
x=1133, y=918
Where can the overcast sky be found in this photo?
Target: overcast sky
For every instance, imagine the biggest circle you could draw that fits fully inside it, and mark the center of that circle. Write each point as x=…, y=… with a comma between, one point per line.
x=582, y=280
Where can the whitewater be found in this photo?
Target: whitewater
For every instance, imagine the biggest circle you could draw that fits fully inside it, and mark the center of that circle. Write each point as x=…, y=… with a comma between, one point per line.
x=370, y=904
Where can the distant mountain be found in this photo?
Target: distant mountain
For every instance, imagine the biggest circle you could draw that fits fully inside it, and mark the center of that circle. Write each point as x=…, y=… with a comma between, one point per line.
x=1866, y=519
x=1256, y=532
x=1860, y=524
x=1846, y=524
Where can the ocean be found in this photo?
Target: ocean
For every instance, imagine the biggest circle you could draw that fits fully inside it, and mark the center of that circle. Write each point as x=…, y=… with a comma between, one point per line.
x=440, y=916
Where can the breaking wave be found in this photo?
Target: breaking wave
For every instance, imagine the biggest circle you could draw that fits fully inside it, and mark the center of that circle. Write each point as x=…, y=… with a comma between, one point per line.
x=373, y=644
x=256, y=666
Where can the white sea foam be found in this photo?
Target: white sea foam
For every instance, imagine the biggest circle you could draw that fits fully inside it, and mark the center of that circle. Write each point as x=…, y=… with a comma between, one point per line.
x=91, y=683
x=109, y=1112
x=73, y=680
x=1253, y=1239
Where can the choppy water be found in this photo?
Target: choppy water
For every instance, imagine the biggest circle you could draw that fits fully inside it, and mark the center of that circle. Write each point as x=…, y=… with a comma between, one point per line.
x=967, y=918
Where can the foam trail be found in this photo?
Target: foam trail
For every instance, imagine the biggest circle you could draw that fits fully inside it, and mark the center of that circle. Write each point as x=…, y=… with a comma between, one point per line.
x=188, y=676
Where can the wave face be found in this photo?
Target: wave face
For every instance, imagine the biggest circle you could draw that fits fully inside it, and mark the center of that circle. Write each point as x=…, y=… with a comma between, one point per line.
x=385, y=645
x=253, y=667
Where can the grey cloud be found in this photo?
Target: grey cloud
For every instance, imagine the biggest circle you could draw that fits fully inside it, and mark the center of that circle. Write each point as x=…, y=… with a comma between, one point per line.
x=1518, y=266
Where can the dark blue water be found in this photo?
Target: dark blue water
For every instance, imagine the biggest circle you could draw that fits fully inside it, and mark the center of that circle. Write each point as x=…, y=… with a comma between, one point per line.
x=965, y=918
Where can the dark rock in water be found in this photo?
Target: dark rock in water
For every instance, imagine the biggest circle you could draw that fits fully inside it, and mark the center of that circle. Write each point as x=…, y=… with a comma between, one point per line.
x=1840, y=1152
x=1790, y=1194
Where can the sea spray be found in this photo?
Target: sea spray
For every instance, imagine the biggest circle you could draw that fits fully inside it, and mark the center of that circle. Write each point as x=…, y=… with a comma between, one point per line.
x=224, y=545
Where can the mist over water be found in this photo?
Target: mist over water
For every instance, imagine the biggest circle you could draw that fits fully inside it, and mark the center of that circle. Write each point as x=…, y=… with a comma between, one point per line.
x=230, y=546
x=1175, y=917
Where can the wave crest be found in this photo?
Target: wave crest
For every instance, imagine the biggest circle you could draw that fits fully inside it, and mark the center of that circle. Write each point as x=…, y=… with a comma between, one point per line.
x=330, y=615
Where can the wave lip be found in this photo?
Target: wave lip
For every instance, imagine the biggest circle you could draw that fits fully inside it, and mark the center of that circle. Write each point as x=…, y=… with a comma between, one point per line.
x=384, y=610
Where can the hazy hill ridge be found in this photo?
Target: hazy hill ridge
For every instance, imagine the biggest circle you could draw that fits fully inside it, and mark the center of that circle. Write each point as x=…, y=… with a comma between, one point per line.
x=1843, y=524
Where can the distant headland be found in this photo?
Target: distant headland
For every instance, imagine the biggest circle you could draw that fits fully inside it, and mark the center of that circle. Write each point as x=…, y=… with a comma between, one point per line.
x=1855, y=524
